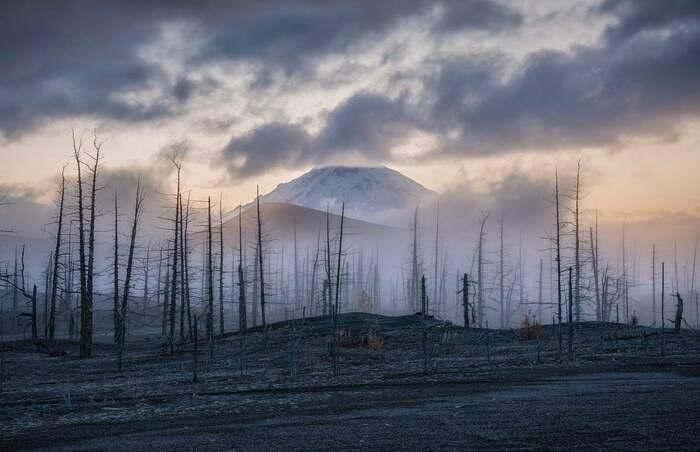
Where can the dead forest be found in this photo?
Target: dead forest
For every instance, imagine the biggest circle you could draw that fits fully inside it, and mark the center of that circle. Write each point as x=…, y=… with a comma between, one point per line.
x=213, y=315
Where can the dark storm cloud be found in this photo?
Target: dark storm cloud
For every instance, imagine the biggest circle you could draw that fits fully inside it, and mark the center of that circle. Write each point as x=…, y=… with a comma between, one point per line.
x=76, y=58
x=637, y=16
x=367, y=124
x=592, y=96
x=641, y=80
x=458, y=15
x=70, y=58
x=288, y=35
x=271, y=145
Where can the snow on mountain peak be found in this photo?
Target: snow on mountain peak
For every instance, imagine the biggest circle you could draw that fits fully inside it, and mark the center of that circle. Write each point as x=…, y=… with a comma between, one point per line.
x=369, y=193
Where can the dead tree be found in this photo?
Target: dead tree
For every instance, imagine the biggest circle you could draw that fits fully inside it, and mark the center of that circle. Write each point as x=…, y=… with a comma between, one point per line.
x=653, y=284
x=296, y=266
x=424, y=335
x=173, y=276
x=15, y=291
x=166, y=295
x=340, y=253
x=314, y=270
x=85, y=299
x=328, y=281
x=146, y=277
x=692, y=284
x=423, y=297
x=255, y=301
x=90, y=277
x=47, y=289
x=465, y=298
x=115, y=282
x=186, y=264
x=501, y=288
x=435, y=273
x=56, y=256
x=221, y=267
x=260, y=259
x=571, y=320
x=413, y=283
x=594, y=262
x=540, y=314
x=138, y=204
x=20, y=286
x=624, y=275
x=181, y=250
x=242, y=308
x=679, y=312
x=663, y=288
x=558, y=257
x=210, y=283
x=159, y=276
x=336, y=307
x=480, y=274
x=577, y=246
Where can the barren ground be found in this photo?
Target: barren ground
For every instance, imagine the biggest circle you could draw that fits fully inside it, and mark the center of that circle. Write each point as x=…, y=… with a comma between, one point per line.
x=627, y=388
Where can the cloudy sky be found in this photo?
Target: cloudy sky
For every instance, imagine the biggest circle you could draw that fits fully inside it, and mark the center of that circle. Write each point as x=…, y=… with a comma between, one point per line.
x=454, y=93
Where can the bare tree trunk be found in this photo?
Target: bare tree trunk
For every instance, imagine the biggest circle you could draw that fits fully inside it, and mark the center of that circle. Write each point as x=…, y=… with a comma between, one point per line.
x=413, y=285
x=181, y=250
x=158, y=278
x=15, y=292
x=539, y=297
x=327, y=301
x=465, y=299
x=138, y=203
x=296, y=267
x=653, y=283
x=594, y=261
x=173, y=278
x=424, y=335
x=210, y=284
x=90, y=282
x=186, y=269
x=577, y=250
x=558, y=244
x=335, y=307
x=85, y=301
x=255, y=302
x=500, y=274
x=314, y=270
x=679, y=313
x=56, y=256
x=571, y=321
x=480, y=275
x=47, y=288
x=663, y=288
x=166, y=295
x=692, y=282
x=115, y=269
x=340, y=253
x=624, y=275
x=35, y=335
x=221, y=267
x=435, y=273
x=242, y=308
x=260, y=261
x=146, y=278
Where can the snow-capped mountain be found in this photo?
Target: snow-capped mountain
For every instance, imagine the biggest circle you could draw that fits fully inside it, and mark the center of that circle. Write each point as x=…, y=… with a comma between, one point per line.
x=369, y=193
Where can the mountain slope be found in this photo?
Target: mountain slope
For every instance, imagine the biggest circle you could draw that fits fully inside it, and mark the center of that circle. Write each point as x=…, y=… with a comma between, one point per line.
x=369, y=193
